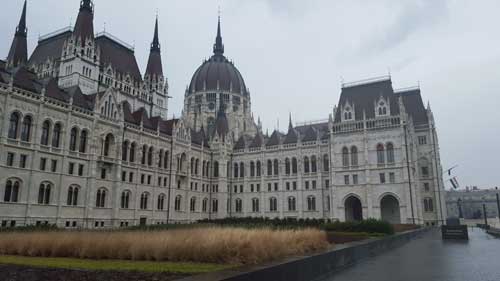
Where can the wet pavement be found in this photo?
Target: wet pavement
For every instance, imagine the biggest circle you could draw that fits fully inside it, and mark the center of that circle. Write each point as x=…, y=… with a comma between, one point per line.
x=431, y=259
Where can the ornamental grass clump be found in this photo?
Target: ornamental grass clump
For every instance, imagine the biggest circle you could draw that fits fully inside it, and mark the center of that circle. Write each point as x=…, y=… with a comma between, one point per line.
x=208, y=245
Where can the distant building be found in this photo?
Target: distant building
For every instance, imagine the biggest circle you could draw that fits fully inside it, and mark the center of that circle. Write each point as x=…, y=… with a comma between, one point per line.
x=468, y=204
x=85, y=143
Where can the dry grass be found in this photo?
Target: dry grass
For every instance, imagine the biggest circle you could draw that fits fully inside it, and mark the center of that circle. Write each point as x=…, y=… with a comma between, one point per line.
x=212, y=245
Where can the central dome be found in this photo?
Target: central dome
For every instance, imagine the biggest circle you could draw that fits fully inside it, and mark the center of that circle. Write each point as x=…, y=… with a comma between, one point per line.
x=218, y=73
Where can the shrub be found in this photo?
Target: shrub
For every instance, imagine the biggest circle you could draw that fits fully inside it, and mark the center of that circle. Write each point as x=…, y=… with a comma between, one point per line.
x=369, y=226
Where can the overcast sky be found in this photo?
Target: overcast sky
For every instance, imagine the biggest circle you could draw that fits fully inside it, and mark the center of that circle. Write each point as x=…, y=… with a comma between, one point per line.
x=293, y=55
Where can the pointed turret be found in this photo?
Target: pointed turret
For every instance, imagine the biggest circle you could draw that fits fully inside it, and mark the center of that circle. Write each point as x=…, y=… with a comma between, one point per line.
x=290, y=125
x=221, y=124
x=18, y=53
x=218, y=46
x=84, y=26
x=155, y=67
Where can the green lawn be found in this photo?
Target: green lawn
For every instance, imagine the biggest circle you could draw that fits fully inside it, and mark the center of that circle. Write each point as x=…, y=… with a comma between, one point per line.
x=113, y=265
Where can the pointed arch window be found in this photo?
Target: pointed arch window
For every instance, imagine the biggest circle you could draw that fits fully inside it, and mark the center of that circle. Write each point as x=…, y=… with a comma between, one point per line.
x=44, y=193
x=242, y=170
x=390, y=153
x=132, y=152
x=287, y=166
x=269, y=167
x=83, y=141
x=252, y=169
x=177, y=203
x=294, y=165
x=239, y=205
x=204, y=205
x=161, y=202
x=160, y=159
x=236, y=169
x=311, y=203
x=101, y=198
x=314, y=166
x=144, y=154
x=276, y=167
x=45, y=133
x=56, y=135
x=166, y=159
x=11, y=193
x=192, y=204
x=72, y=139
x=125, y=199
x=273, y=204
x=108, y=144
x=255, y=205
x=150, y=156
x=216, y=169
x=306, y=164
x=72, y=199
x=13, y=125
x=380, y=154
x=345, y=157
x=326, y=163
x=26, y=129
x=144, y=201
x=258, y=169
x=292, y=204
x=354, y=156
x=125, y=150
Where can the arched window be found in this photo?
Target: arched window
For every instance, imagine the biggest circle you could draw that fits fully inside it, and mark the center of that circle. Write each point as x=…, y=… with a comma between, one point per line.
x=306, y=164
x=236, y=169
x=216, y=169
x=197, y=166
x=132, y=152
x=100, y=201
x=161, y=202
x=380, y=154
x=294, y=165
x=204, y=205
x=177, y=203
x=390, y=153
x=83, y=141
x=287, y=166
x=11, y=191
x=273, y=204
x=258, y=169
x=314, y=167
x=165, y=161
x=354, y=156
x=144, y=201
x=13, y=125
x=124, y=150
x=326, y=163
x=108, y=144
x=276, y=167
x=239, y=205
x=160, y=158
x=255, y=205
x=144, y=153
x=345, y=157
x=252, y=169
x=242, y=170
x=428, y=205
x=56, y=135
x=207, y=168
x=192, y=166
x=150, y=156
x=72, y=196
x=269, y=167
x=203, y=165
x=125, y=199
x=45, y=133
x=291, y=204
x=311, y=203
x=26, y=129
x=44, y=193
x=215, y=205
x=72, y=139
x=192, y=204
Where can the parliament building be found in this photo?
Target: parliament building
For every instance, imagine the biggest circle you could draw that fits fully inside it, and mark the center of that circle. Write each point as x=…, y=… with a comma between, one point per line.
x=85, y=142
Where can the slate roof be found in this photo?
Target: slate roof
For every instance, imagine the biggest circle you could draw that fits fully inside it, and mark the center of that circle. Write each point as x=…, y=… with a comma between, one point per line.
x=18, y=53
x=26, y=79
x=310, y=134
x=84, y=26
x=49, y=48
x=167, y=126
x=121, y=58
x=291, y=137
x=240, y=144
x=274, y=139
x=412, y=100
x=154, y=66
x=52, y=90
x=365, y=96
x=80, y=99
x=257, y=141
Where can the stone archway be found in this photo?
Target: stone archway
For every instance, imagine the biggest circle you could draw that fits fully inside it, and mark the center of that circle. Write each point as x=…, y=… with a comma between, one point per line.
x=353, y=209
x=389, y=209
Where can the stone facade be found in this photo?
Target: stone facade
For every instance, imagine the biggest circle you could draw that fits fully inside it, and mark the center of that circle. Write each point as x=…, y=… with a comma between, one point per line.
x=88, y=145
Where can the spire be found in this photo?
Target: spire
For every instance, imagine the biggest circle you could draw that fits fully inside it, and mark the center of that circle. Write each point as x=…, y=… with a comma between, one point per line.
x=290, y=125
x=84, y=26
x=154, y=66
x=218, y=46
x=155, y=46
x=18, y=53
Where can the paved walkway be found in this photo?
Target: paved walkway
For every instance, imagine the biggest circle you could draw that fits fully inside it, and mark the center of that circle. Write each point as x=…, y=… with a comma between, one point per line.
x=431, y=259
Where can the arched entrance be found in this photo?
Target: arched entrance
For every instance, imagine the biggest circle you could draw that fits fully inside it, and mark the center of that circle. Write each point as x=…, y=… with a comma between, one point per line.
x=353, y=209
x=389, y=209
